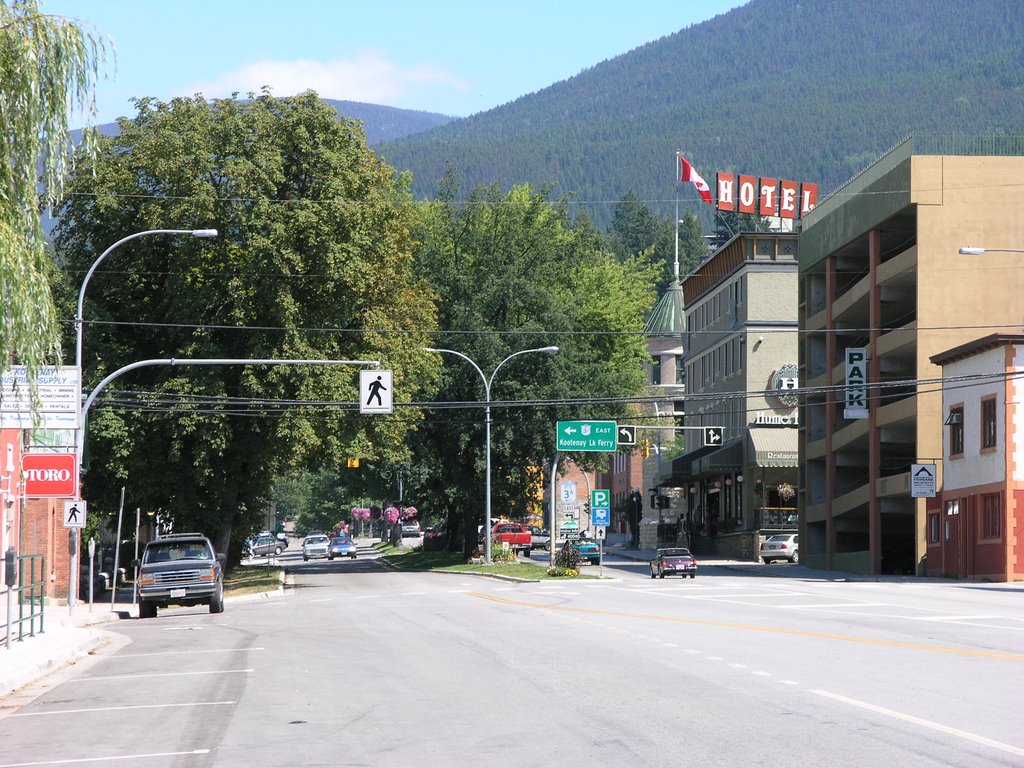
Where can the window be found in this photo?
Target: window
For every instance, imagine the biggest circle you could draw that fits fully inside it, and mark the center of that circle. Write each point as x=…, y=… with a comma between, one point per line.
x=988, y=423
x=956, y=431
x=990, y=516
x=680, y=370
x=655, y=371
x=933, y=529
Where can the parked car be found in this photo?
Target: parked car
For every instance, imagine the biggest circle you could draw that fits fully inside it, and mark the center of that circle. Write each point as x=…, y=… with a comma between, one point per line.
x=410, y=528
x=781, y=546
x=589, y=549
x=342, y=546
x=283, y=538
x=539, y=538
x=315, y=546
x=180, y=569
x=266, y=545
x=670, y=562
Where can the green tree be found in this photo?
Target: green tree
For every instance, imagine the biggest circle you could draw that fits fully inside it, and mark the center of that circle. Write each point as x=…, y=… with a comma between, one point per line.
x=48, y=67
x=314, y=261
x=635, y=231
x=513, y=272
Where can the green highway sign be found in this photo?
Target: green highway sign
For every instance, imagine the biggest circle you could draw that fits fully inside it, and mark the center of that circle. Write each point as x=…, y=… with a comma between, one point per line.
x=586, y=436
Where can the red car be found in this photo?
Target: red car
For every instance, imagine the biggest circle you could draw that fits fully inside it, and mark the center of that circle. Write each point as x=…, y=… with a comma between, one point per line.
x=674, y=562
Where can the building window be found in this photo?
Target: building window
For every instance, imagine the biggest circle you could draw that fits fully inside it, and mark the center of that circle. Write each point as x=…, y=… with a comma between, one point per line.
x=680, y=370
x=956, y=431
x=655, y=371
x=990, y=516
x=988, y=423
x=933, y=529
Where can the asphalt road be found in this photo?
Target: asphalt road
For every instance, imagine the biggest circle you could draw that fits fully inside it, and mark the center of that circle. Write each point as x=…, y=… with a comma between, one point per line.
x=362, y=666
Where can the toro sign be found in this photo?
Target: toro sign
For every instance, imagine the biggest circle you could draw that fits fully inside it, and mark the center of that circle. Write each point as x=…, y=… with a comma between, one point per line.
x=50, y=475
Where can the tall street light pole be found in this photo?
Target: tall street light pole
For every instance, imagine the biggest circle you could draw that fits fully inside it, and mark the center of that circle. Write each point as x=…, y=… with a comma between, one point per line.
x=102, y=256
x=80, y=433
x=487, y=420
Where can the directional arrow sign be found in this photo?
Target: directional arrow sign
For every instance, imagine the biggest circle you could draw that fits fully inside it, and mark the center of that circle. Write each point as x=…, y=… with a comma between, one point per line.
x=586, y=436
x=627, y=434
x=713, y=436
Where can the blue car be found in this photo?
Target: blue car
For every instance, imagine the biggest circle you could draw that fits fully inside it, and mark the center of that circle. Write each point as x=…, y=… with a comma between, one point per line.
x=341, y=546
x=589, y=550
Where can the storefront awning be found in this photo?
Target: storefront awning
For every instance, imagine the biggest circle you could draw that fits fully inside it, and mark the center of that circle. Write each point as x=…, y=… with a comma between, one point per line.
x=727, y=457
x=774, y=447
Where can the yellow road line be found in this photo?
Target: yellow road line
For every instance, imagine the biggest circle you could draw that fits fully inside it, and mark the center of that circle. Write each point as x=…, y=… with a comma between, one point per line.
x=998, y=655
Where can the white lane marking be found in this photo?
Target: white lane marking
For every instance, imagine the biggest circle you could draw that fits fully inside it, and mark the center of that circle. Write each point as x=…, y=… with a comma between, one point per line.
x=179, y=629
x=184, y=653
x=837, y=606
x=77, y=760
x=692, y=650
x=713, y=658
x=956, y=618
x=670, y=645
x=322, y=600
x=736, y=665
x=789, y=682
x=1009, y=748
x=114, y=709
x=366, y=597
x=762, y=673
x=89, y=678
x=412, y=594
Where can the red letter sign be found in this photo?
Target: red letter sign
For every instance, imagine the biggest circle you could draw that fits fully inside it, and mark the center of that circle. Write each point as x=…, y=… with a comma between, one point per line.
x=50, y=475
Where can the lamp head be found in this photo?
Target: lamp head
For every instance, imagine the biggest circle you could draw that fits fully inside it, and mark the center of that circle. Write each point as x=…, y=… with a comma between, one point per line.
x=970, y=250
x=204, y=233
x=549, y=350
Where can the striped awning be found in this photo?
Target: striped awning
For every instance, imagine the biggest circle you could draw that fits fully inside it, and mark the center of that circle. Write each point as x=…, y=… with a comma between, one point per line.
x=774, y=446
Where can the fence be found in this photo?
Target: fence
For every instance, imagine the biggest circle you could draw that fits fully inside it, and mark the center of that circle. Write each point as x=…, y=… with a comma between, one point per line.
x=29, y=593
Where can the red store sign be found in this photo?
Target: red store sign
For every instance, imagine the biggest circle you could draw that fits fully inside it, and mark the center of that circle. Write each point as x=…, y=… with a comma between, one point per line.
x=50, y=475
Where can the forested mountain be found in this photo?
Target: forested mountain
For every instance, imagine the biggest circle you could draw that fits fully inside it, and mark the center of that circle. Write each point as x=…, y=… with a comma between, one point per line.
x=811, y=91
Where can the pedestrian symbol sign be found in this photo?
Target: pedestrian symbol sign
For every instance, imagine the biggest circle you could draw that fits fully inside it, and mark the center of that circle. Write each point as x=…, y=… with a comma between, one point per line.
x=375, y=392
x=74, y=514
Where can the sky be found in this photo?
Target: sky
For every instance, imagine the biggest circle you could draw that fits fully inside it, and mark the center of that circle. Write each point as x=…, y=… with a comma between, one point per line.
x=447, y=56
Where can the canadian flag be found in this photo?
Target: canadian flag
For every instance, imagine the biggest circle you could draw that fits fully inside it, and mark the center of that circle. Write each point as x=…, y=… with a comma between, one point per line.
x=687, y=173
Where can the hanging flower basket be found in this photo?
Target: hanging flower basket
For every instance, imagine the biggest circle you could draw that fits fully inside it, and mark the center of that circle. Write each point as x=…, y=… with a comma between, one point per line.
x=786, y=492
x=391, y=515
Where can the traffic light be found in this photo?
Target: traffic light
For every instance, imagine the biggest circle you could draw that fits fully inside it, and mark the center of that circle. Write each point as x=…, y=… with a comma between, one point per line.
x=663, y=502
x=352, y=463
x=645, y=447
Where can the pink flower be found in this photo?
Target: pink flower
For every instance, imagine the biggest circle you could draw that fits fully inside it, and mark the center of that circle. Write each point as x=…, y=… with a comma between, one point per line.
x=391, y=515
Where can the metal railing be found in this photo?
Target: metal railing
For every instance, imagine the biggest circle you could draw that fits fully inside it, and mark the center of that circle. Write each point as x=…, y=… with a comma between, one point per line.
x=776, y=518
x=29, y=594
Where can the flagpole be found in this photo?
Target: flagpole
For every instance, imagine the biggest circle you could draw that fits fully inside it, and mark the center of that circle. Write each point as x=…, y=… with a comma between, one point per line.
x=675, y=265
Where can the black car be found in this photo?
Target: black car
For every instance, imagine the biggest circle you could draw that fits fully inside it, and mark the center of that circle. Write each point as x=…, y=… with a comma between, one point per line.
x=180, y=569
x=677, y=561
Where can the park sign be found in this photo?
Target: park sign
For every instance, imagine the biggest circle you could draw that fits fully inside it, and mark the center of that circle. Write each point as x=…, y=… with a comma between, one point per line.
x=586, y=436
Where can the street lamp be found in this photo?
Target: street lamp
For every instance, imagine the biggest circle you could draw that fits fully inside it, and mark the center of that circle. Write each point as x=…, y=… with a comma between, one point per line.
x=971, y=250
x=487, y=411
x=102, y=256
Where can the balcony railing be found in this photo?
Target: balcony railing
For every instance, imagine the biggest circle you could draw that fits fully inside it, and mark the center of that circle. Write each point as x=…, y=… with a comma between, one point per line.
x=776, y=518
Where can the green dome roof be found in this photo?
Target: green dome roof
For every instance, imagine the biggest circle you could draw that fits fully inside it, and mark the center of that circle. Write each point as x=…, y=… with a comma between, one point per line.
x=668, y=318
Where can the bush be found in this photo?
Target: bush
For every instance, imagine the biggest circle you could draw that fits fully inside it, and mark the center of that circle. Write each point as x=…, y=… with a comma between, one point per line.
x=568, y=557
x=503, y=555
x=568, y=572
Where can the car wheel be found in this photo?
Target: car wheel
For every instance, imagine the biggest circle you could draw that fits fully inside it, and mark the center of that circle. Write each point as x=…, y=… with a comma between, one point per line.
x=217, y=601
x=795, y=559
x=767, y=560
x=653, y=574
x=305, y=557
x=147, y=610
x=661, y=575
x=693, y=575
x=353, y=555
x=330, y=557
x=277, y=551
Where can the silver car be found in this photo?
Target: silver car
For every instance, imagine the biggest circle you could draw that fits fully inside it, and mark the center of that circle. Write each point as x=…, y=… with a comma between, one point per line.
x=781, y=546
x=315, y=546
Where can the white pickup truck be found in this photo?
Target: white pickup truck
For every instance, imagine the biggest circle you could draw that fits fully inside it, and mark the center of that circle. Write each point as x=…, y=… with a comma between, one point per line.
x=539, y=538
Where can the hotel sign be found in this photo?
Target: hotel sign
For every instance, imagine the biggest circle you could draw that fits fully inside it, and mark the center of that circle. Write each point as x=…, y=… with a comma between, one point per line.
x=764, y=196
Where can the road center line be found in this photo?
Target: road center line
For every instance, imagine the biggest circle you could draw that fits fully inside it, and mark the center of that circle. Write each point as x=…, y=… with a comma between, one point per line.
x=77, y=760
x=90, y=678
x=925, y=723
x=997, y=655
x=114, y=709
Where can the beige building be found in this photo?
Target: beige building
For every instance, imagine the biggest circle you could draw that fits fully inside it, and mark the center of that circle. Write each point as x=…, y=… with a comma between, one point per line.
x=880, y=272
x=741, y=365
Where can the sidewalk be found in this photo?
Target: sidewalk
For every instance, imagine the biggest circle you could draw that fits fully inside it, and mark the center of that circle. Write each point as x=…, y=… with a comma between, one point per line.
x=68, y=635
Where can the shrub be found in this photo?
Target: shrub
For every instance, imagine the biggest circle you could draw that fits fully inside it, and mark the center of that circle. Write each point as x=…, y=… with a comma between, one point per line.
x=568, y=557
x=568, y=572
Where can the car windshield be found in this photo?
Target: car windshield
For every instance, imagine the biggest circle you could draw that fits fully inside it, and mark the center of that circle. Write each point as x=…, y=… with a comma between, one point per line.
x=317, y=540
x=341, y=540
x=674, y=552
x=164, y=553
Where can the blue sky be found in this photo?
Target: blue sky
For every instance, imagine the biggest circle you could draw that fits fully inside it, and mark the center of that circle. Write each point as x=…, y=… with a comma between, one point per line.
x=454, y=57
